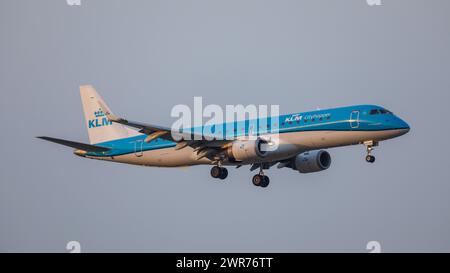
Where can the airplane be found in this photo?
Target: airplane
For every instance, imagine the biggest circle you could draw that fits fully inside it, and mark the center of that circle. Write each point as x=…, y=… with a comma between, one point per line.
x=301, y=139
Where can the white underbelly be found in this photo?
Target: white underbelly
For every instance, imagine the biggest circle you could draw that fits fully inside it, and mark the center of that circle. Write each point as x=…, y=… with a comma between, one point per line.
x=289, y=145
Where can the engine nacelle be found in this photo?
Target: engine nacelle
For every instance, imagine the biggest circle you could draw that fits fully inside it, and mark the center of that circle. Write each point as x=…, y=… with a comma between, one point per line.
x=247, y=150
x=312, y=161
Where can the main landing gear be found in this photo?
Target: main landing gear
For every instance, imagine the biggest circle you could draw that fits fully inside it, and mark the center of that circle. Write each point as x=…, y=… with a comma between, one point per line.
x=219, y=172
x=369, y=146
x=261, y=180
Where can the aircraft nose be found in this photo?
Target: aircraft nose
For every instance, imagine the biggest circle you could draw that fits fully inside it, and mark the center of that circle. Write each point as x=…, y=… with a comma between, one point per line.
x=403, y=126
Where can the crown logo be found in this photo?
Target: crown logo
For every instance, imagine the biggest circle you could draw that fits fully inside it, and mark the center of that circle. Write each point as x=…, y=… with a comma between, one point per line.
x=99, y=113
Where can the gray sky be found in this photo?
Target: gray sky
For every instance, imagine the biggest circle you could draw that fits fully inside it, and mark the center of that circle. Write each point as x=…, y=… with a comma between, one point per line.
x=146, y=56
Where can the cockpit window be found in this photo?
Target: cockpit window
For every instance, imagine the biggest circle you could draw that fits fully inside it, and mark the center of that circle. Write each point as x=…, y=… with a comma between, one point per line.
x=384, y=111
x=379, y=111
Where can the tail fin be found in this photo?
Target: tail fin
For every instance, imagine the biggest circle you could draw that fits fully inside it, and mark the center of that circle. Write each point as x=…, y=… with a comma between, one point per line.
x=100, y=129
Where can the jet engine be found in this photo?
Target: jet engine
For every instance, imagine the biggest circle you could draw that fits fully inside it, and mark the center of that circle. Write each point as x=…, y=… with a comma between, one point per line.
x=312, y=161
x=247, y=150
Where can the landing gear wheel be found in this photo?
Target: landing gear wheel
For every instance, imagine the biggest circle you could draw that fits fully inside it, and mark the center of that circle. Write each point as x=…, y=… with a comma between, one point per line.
x=369, y=146
x=216, y=172
x=261, y=180
x=257, y=180
x=265, y=182
x=370, y=158
x=219, y=172
x=223, y=173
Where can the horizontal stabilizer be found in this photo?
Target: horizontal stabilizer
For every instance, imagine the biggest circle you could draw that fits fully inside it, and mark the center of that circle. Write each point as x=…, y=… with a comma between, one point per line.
x=76, y=145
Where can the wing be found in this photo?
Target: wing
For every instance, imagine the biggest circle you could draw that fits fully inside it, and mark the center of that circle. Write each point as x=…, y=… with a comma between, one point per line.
x=152, y=131
x=76, y=145
x=212, y=149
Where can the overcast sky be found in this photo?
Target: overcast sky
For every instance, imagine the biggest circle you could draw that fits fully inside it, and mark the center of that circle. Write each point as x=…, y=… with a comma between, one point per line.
x=144, y=57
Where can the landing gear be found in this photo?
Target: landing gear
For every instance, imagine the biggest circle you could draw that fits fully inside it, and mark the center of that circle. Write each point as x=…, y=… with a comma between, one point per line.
x=370, y=158
x=257, y=179
x=265, y=181
x=219, y=172
x=369, y=146
x=261, y=180
x=224, y=173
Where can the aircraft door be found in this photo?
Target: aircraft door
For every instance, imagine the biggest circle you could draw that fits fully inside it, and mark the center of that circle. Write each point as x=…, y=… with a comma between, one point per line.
x=138, y=148
x=354, y=119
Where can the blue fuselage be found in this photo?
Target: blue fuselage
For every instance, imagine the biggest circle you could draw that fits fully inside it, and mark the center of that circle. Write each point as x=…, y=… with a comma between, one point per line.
x=358, y=118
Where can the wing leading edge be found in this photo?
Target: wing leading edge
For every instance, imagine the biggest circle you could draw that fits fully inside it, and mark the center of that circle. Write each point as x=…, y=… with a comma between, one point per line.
x=212, y=149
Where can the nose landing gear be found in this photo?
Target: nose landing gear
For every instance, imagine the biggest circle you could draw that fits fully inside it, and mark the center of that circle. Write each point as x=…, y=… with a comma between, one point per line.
x=369, y=147
x=370, y=158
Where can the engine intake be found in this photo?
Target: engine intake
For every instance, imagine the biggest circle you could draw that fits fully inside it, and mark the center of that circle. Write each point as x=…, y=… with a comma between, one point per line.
x=247, y=150
x=312, y=161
